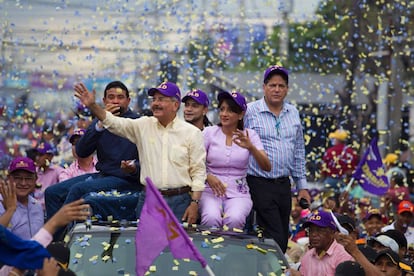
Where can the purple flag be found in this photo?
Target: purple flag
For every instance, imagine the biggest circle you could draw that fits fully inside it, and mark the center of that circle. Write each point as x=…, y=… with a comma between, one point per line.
x=157, y=228
x=370, y=172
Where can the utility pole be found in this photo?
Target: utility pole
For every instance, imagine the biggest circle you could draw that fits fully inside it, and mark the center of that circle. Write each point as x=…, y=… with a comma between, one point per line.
x=286, y=8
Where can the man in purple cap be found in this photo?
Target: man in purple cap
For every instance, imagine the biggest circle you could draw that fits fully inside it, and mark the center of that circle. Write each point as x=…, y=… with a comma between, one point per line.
x=195, y=108
x=279, y=127
x=172, y=150
x=47, y=173
x=81, y=165
x=19, y=211
x=325, y=253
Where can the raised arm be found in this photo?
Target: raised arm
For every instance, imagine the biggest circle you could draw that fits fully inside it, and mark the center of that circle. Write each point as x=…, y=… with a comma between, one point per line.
x=88, y=99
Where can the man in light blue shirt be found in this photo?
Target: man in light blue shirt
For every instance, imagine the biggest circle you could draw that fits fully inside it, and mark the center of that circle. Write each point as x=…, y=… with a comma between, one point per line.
x=280, y=130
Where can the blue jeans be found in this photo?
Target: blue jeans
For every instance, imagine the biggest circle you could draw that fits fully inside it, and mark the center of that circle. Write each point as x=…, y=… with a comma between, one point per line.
x=119, y=207
x=73, y=189
x=177, y=203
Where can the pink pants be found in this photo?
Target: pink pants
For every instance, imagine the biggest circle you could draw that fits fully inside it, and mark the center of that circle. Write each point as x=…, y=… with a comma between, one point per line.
x=220, y=211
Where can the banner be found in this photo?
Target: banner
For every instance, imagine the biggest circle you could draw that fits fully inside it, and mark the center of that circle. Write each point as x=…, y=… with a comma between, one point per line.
x=370, y=172
x=157, y=228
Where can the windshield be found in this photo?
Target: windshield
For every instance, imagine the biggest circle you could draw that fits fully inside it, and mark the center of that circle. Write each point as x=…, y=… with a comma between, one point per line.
x=105, y=253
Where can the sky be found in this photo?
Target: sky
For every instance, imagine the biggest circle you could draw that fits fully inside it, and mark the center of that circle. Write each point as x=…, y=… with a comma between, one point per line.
x=43, y=28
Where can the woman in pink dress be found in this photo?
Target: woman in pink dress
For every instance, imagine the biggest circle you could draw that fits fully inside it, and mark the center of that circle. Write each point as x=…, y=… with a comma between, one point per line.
x=226, y=200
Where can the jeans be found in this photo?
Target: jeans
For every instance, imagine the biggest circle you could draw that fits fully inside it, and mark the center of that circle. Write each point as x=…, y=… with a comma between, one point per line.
x=73, y=189
x=177, y=203
x=119, y=207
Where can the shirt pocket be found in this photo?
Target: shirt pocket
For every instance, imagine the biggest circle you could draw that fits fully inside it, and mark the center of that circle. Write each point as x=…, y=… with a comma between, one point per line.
x=179, y=155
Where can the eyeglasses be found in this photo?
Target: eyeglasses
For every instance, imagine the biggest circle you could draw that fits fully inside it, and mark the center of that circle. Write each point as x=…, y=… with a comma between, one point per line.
x=160, y=99
x=25, y=178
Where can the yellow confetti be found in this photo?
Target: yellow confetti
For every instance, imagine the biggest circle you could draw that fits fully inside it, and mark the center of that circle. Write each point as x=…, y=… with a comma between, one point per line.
x=93, y=258
x=176, y=262
x=192, y=272
x=78, y=255
x=153, y=268
x=217, y=240
x=105, y=258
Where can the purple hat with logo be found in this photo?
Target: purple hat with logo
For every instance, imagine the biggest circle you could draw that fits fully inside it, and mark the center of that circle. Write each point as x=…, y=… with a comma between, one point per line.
x=45, y=148
x=22, y=163
x=235, y=96
x=198, y=96
x=168, y=89
x=76, y=133
x=275, y=69
x=321, y=219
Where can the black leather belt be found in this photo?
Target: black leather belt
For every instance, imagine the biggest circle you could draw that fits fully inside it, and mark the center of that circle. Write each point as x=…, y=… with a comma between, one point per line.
x=175, y=191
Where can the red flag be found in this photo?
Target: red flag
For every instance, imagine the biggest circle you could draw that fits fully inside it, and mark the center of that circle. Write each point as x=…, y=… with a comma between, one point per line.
x=157, y=228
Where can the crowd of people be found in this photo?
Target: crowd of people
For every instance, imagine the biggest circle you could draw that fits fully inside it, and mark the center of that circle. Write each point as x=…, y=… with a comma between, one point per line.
x=251, y=164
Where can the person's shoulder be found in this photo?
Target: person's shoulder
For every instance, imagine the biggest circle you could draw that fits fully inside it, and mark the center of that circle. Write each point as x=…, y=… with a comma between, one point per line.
x=185, y=126
x=210, y=130
x=130, y=114
x=255, y=104
x=290, y=107
x=388, y=227
x=34, y=203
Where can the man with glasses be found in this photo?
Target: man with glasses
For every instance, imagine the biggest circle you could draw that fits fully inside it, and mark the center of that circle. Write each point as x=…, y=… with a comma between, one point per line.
x=24, y=216
x=81, y=165
x=172, y=151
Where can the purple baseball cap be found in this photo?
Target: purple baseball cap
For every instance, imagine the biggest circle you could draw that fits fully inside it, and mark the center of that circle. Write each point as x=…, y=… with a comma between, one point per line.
x=321, y=219
x=235, y=96
x=22, y=163
x=76, y=133
x=168, y=89
x=275, y=69
x=44, y=148
x=198, y=96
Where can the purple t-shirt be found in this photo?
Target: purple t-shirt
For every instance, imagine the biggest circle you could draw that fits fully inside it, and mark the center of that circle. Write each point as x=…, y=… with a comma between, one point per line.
x=228, y=163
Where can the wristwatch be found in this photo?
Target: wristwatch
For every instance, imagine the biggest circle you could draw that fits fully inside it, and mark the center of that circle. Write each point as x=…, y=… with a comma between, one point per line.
x=197, y=201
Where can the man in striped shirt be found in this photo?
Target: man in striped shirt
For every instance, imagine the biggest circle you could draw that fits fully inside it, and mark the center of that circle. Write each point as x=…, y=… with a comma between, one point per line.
x=278, y=125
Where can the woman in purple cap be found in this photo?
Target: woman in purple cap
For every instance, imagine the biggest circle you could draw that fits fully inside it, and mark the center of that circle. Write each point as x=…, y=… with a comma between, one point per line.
x=226, y=200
